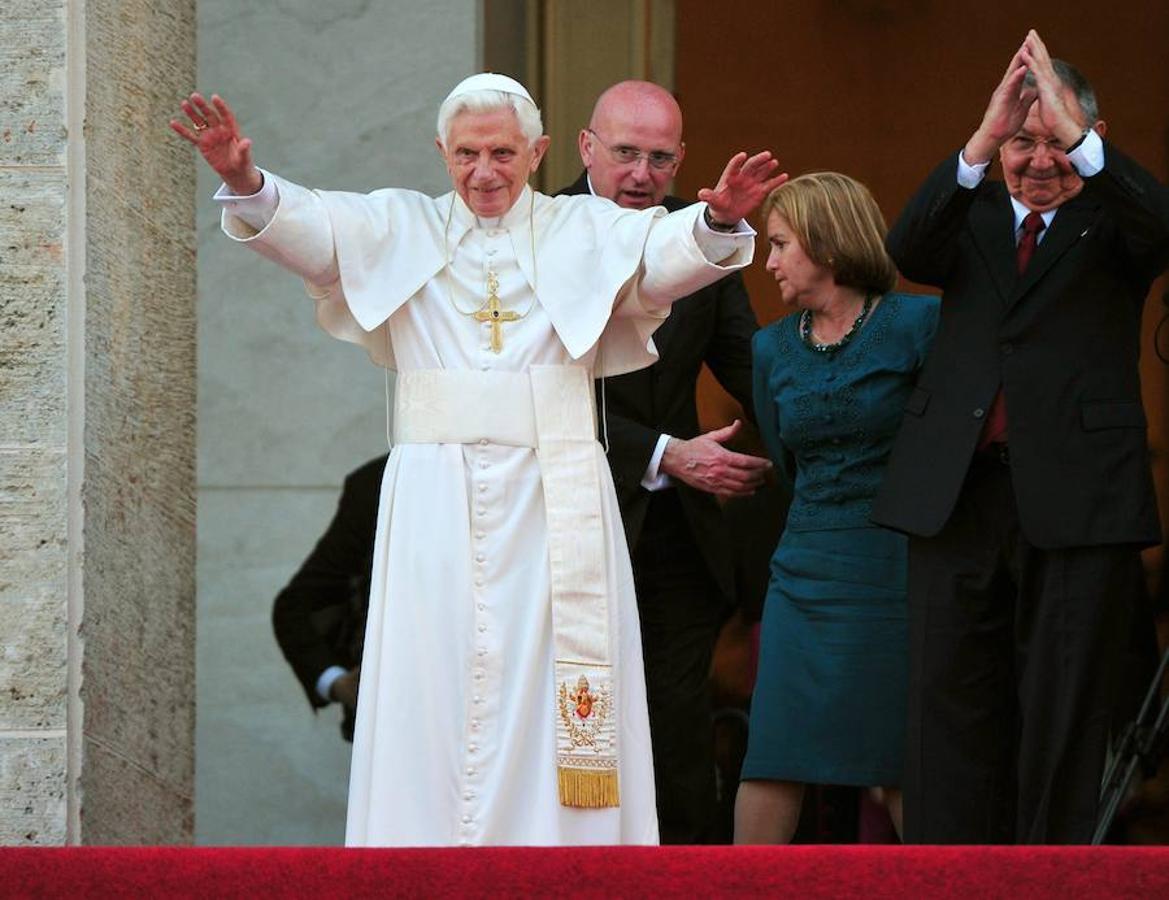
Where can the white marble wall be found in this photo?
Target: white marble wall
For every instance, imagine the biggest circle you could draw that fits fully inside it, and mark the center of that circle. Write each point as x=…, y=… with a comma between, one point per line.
x=339, y=95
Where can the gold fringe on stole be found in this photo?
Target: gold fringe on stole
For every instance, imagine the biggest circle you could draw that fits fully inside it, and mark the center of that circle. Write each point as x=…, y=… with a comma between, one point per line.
x=588, y=788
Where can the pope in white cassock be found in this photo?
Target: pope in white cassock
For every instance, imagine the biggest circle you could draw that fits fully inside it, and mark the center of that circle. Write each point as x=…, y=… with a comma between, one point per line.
x=502, y=697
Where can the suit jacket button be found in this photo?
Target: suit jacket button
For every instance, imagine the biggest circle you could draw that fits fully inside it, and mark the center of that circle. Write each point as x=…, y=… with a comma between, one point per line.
x=1007, y=349
x=979, y=413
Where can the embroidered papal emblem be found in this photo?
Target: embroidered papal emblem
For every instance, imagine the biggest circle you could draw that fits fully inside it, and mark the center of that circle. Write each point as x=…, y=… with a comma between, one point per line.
x=584, y=711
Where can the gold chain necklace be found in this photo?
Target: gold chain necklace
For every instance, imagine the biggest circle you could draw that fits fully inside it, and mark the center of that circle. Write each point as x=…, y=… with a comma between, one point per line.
x=491, y=310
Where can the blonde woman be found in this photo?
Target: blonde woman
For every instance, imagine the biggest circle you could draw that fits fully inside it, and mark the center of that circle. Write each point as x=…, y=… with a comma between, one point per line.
x=831, y=381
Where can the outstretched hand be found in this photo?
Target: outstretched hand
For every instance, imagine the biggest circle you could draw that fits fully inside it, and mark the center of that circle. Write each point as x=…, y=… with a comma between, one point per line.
x=744, y=184
x=704, y=463
x=212, y=128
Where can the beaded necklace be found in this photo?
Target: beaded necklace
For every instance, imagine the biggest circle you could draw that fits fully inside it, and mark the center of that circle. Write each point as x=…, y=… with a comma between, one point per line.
x=806, y=328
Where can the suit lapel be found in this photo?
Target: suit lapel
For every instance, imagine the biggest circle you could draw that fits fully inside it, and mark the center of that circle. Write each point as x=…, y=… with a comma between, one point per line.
x=665, y=331
x=1071, y=223
x=992, y=223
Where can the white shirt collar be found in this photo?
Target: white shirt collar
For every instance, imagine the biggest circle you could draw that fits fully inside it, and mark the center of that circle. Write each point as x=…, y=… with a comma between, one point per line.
x=1021, y=212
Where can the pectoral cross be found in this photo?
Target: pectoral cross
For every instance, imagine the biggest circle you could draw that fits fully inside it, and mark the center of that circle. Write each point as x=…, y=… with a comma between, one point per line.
x=494, y=313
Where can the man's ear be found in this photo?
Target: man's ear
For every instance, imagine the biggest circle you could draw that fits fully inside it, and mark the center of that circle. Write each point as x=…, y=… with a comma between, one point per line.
x=584, y=144
x=538, y=150
x=446, y=162
x=1100, y=127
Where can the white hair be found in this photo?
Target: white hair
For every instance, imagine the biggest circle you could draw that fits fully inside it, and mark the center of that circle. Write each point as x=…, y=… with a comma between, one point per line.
x=482, y=101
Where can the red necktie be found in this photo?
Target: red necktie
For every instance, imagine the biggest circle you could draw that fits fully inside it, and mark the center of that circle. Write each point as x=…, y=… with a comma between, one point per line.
x=995, y=429
x=1032, y=225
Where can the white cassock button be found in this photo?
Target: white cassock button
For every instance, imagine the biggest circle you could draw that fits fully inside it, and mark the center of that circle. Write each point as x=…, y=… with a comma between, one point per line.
x=478, y=676
x=475, y=723
x=467, y=820
x=470, y=770
x=478, y=702
x=472, y=748
x=480, y=511
x=479, y=535
x=468, y=796
x=478, y=582
x=482, y=628
x=482, y=442
x=483, y=464
x=479, y=557
x=482, y=488
x=482, y=607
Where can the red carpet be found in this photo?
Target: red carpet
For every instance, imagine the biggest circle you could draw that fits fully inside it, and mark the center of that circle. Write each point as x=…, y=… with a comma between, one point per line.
x=857, y=871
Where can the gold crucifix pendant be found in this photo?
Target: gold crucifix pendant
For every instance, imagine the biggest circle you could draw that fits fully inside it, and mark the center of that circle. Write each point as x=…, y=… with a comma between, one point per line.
x=494, y=313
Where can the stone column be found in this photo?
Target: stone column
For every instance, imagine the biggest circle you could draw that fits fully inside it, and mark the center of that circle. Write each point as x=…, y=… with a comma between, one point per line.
x=97, y=385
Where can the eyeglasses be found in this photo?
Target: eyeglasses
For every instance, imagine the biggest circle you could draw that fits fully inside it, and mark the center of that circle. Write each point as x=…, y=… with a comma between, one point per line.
x=626, y=155
x=1024, y=144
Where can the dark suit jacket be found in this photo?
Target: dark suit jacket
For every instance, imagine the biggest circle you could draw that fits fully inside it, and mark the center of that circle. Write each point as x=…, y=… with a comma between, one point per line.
x=1062, y=340
x=713, y=325
x=319, y=618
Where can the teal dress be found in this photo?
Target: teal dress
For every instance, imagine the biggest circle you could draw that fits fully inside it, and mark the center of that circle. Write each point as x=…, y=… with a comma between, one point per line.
x=829, y=701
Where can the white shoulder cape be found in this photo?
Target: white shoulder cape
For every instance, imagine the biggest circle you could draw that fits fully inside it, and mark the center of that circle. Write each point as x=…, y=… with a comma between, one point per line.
x=363, y=255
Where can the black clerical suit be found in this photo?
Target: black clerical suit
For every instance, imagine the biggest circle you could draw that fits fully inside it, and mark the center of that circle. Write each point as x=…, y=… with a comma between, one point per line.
x=319, y=617
x=1024, y=557
x=683, y=564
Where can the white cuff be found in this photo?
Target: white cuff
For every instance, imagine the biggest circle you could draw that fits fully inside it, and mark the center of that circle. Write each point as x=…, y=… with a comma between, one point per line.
x=256, y=209
x=653, y=480
x=718, y=245
x=1088, y=158
x=970, y=176
x=325, y=682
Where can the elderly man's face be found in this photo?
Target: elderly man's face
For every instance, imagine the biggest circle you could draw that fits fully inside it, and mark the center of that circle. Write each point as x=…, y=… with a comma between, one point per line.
x=651, y=135
x=489, y=159
x=1035, y=168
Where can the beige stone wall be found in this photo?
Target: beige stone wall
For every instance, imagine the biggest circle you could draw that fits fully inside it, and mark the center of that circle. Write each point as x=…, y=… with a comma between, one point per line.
x=33, y=424
x=138, y=675
x=96, y=424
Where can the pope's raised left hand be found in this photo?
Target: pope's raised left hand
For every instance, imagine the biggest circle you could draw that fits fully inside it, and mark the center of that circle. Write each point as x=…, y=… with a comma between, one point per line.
x=744, y=184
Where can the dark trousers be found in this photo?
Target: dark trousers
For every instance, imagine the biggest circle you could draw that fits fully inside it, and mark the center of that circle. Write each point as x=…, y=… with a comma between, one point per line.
x=1014, y=653
x=681, y=611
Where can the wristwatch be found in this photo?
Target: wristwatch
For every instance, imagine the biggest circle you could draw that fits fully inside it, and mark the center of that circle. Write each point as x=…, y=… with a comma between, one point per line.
x=718, y=226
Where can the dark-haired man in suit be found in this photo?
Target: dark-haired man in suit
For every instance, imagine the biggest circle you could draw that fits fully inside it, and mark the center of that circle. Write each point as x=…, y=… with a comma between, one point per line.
x=1021, y=471
x=319, y=616
x=666, y=472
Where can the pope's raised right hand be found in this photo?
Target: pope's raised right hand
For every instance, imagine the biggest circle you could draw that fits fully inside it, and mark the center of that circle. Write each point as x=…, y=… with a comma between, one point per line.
x=212, y=128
